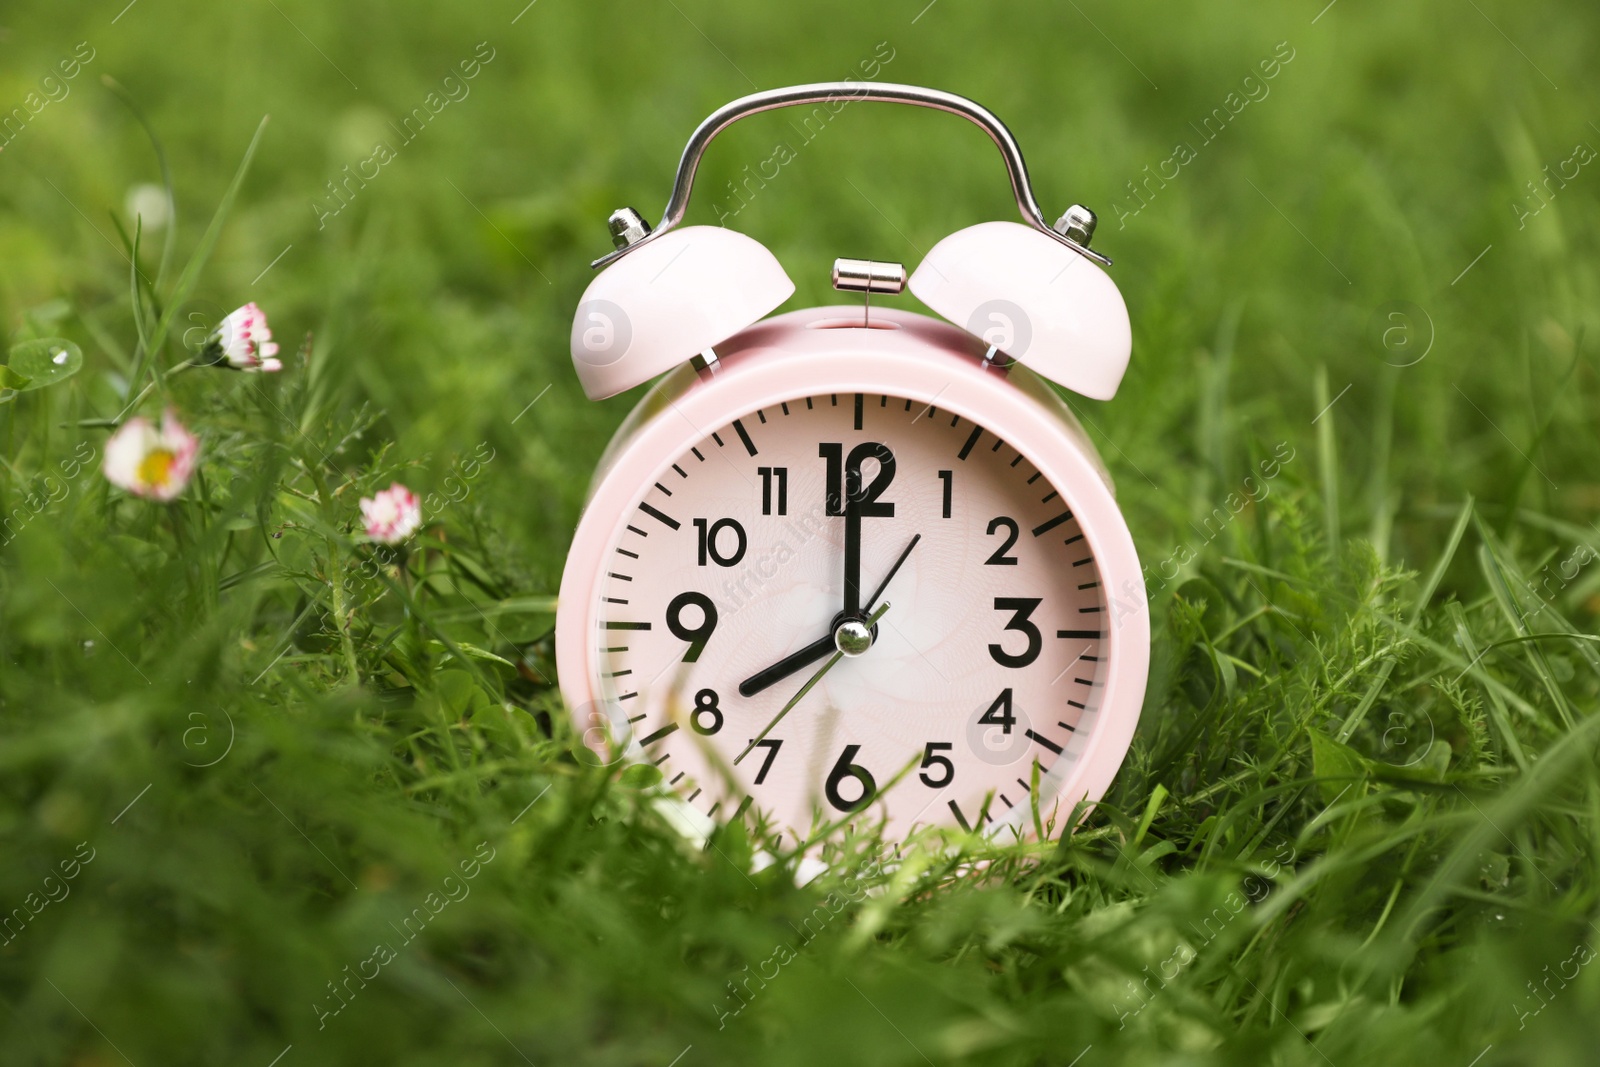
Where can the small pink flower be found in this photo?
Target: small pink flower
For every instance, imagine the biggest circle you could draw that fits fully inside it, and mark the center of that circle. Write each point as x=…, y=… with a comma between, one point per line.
x=151, y=462
x=244, y=342
x=391, y=515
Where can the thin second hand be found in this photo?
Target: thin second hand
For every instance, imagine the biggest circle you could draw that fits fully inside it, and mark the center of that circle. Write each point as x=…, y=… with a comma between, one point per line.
x=815, y=678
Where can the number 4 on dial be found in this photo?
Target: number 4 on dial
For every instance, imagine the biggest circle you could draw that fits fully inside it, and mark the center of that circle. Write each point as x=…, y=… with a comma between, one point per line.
x=1000, y=713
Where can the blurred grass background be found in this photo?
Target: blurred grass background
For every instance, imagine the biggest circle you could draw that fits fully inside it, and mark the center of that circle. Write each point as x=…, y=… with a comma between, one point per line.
x=1351, y=705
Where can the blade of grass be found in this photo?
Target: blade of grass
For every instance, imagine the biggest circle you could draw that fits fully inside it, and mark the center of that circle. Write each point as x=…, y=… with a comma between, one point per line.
x=1499, y=573
x=1542, y=426
x=140, y=325
x=1498, y=713
x=1573, y=752
x=170, y=242
x=1327, y=464
x=1380, y=498
x=1453, y=543
x=1212, y=420
x=191, y=271
x=1429, y=587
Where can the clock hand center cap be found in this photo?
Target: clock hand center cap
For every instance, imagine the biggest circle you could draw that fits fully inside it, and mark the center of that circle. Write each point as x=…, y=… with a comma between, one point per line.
x=852, y=637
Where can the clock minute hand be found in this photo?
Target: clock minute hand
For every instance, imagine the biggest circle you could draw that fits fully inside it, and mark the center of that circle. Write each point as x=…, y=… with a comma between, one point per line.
x=819, y=648
x=887, y=578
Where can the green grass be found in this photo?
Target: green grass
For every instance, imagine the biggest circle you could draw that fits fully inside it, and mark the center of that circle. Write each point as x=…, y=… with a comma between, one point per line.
x=1358, y=824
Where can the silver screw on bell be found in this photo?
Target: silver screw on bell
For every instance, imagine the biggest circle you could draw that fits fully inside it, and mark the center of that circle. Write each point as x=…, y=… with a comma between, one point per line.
x=627, y=227
x=707, y=362
x=1077, y=224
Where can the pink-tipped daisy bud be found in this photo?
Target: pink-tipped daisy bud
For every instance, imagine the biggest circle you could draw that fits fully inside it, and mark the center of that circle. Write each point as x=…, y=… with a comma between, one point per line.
x=150, y=461
x=243, y=342
x=391, y=515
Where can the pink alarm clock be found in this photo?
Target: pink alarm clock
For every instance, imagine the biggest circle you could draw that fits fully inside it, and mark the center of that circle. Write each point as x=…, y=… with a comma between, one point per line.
x=849, y=559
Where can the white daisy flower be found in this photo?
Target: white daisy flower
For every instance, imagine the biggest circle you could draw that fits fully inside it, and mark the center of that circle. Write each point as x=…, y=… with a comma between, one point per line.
x=243, y=342
x=391, y=515
x=150, y=461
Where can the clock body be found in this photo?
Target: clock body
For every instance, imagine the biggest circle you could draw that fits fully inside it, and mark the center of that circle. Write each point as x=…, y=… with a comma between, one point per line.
x=1007, y=667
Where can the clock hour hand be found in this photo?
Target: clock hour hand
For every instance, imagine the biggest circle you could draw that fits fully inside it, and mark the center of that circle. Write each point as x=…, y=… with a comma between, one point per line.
x=786, y=666
x=819, y=648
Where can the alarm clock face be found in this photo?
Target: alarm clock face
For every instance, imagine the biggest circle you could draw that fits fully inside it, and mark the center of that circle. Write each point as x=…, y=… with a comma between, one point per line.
x=981, y=685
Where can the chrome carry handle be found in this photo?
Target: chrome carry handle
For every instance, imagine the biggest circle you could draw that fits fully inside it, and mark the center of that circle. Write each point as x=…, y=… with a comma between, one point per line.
x=1073, y=229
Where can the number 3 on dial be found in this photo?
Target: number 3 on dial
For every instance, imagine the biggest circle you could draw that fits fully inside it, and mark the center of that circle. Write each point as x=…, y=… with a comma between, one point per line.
x=1021, y=609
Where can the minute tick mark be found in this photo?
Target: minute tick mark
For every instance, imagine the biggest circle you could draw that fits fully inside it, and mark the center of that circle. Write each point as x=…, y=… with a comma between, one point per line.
x=659, y=515
x=1050, y=524
x=749, y=445
x=646, y=742
x=1042, y=740
x=977, y=432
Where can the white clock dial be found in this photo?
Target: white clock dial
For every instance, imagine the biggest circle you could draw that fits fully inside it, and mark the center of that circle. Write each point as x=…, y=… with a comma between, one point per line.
x=987, y=668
